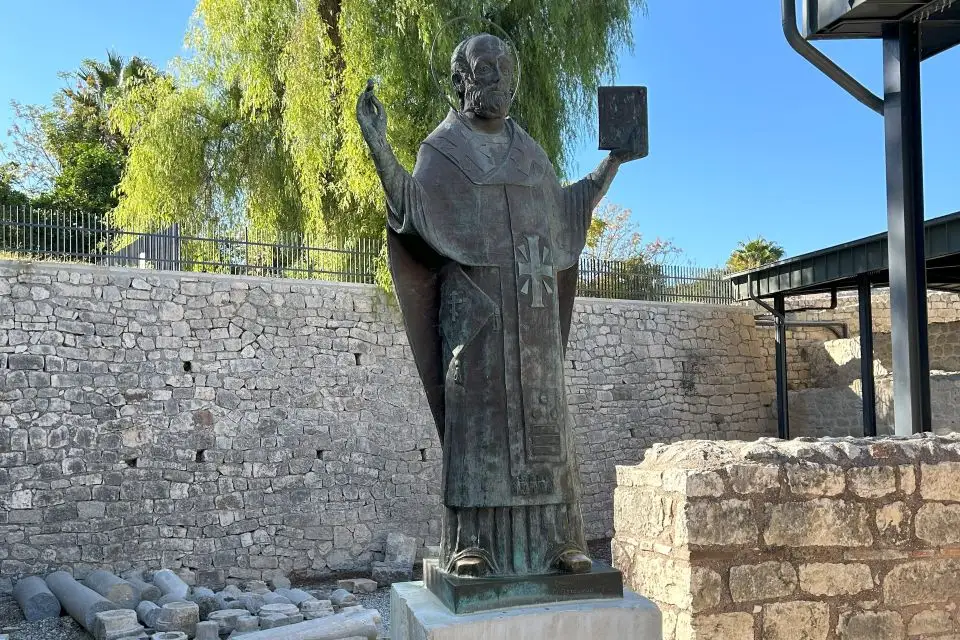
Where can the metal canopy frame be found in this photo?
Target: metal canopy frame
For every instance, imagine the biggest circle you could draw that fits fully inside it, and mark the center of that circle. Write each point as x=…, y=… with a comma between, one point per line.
x=911, y=30
x=860, y=265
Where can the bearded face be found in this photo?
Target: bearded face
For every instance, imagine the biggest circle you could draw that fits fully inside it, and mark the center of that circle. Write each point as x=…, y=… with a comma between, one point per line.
x=488, y=87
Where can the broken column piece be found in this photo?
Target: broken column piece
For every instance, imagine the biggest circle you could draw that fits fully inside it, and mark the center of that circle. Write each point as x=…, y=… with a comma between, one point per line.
x=170, y=583
x=82, y=603
x=113, y=588
x=36, y=601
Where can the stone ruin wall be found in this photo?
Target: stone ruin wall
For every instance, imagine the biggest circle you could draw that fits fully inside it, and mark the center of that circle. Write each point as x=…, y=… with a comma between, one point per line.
x=822, y=540
x=804, y=344
x=238, y=427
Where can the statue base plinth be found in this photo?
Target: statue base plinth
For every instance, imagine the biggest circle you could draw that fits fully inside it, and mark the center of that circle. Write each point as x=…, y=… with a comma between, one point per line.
x=472, y=595
x=417, y=614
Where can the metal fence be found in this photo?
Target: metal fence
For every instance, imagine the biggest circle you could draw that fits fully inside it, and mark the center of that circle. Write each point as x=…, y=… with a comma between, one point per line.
x=73, y=236
x=633, y=280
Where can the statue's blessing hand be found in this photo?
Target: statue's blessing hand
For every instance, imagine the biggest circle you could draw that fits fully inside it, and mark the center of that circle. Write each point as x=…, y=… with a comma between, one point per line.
x=371, y=115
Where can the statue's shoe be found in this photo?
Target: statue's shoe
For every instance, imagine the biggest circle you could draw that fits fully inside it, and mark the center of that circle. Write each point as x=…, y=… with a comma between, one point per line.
x=470, y=567
x=574, y=562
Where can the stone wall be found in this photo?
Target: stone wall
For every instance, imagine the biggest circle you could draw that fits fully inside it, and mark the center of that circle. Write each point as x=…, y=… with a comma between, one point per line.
x=820, y=540
x=240, y=427
x=805, y=352
x=839, y=411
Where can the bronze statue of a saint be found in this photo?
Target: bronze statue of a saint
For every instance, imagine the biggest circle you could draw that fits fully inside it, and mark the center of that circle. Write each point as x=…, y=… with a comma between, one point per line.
x=484, y=244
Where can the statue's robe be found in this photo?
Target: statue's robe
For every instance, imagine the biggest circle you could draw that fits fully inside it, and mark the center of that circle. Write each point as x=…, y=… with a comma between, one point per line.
x=484, y=254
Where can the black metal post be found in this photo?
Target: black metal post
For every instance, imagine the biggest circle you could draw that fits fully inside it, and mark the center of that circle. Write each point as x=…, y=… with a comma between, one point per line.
x=783, y=401
x=868, y=388
x=908, y=286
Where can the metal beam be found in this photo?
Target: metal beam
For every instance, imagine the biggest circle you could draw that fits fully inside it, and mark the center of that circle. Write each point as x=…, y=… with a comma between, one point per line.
x=908, y=283
x=814, y=56
x=783, y=399
x=867, y=383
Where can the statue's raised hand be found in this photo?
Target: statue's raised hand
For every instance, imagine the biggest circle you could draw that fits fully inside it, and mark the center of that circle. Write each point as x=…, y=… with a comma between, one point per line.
x=372, y=117
x=633, y=150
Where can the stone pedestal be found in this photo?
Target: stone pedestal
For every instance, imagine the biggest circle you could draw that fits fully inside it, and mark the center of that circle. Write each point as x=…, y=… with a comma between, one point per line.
x=417, y=614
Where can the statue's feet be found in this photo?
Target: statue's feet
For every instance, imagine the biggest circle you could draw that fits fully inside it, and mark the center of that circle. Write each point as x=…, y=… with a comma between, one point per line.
x=574, y=562
x=470, y=567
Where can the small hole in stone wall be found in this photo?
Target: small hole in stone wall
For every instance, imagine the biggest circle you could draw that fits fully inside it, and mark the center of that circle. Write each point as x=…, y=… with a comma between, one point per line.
x=188, y=366
x=423, y=455
x=632, y=433
x=357, y=357
x=199, y=456
x=320, y=453
x=132, y=463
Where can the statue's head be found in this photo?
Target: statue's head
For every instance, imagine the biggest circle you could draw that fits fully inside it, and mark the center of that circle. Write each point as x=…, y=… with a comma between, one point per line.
x=482, y=69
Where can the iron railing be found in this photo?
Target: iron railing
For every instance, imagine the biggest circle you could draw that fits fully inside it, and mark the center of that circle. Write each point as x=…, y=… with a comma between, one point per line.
x=632, y=280
x=74, y=236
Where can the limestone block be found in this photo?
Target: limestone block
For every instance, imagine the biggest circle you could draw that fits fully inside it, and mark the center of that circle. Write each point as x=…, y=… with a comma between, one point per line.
x=227, y=619
x=939, y=524
x=147, y=612
x=723, y=522
x=872, y=625
x=908, y=479
x=279, y=582
x=390, y=572
x=358, y=585
x=939, y=481
x=815, y=480
x=829, y=579
x=417, y=615
x=872, y=482
x=796, y=621
x=116, y=624
x=721, y=626
x=343, y=598
x=753, y=478
x=178, y=616
x=818, y=523
x=922, y=582
x=400, y=548
x=893, y=523
x=706, y=587
x=765, y=581
x=312, y=609
x=930, y=622
x=169, y=635
x=208, y=630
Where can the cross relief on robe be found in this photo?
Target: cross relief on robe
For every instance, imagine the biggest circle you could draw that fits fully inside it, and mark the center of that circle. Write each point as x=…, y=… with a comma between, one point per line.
x=535, y=265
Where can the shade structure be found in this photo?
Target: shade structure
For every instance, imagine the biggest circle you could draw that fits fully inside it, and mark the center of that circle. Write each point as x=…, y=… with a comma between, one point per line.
x=939, y=20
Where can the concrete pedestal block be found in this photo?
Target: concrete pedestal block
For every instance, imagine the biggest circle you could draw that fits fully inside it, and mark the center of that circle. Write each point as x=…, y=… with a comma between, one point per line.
x=416, y=614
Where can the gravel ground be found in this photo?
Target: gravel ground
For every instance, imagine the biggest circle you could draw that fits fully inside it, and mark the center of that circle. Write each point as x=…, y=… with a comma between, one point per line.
x=12, y=623
x=65, y=628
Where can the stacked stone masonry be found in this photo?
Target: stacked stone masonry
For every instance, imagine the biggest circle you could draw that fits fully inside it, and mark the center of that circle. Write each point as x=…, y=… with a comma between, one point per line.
x=237, y=428
x=826, y=539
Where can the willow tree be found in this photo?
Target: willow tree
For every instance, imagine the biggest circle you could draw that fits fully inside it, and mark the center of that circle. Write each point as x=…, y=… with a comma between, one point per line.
x=260, y=126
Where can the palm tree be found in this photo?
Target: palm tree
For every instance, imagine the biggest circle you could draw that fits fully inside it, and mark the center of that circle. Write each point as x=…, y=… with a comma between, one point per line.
x=754, y=253
x=100, y=83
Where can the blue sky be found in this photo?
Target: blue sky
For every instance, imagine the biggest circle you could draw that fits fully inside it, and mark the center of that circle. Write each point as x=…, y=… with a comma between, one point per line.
x=746, y=138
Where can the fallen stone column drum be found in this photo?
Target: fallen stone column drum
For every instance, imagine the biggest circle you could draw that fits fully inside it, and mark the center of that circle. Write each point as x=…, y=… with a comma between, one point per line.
x=171, y=584
x=36, y=601
x=113, y=588
x=82, y=603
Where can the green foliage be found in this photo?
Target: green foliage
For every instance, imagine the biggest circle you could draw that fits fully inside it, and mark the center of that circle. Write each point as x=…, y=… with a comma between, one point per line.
x=754, y=253
x=9, y=194
x=262, y=128
x=67, y=154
